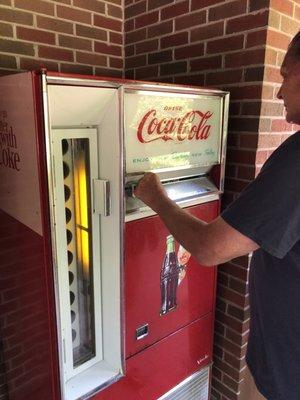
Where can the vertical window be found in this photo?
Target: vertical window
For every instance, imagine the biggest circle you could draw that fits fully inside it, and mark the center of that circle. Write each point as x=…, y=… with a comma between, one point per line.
x=76, y=173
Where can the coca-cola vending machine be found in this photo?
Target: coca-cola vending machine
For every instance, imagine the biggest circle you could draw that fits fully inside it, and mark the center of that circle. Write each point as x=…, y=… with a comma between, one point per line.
x=97, y=298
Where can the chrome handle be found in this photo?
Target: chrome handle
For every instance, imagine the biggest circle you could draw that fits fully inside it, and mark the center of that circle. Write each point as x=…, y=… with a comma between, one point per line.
x=101, y=197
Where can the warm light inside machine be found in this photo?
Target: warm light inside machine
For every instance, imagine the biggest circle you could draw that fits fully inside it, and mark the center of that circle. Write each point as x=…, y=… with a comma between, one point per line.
x=81, y=205
x=79, y=239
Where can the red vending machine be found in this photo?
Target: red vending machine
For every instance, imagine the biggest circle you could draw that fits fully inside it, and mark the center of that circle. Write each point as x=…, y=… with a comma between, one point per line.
x=97, y=299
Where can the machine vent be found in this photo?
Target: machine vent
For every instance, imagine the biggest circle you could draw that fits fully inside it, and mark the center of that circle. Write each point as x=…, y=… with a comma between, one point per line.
x=195, y=387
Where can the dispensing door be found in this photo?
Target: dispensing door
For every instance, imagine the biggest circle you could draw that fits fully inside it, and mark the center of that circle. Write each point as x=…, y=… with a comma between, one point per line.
x=83, y=139
x=78, y=248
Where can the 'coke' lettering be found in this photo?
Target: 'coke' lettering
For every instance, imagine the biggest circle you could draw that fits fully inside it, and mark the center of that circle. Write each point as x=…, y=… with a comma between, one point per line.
x=9, y=159
x=192, y=126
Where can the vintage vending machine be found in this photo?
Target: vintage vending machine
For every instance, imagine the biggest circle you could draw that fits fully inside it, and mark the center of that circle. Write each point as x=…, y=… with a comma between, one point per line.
x=97, y=300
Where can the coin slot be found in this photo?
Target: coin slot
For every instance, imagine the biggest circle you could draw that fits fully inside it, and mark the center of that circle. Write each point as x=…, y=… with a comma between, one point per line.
x=142, y=331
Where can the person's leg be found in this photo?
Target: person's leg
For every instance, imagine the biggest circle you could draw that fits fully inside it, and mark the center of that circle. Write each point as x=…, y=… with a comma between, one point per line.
x=248, y=388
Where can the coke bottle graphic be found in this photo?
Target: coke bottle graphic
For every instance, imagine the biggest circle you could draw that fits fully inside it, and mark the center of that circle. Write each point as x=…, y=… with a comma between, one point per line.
x=169, y=278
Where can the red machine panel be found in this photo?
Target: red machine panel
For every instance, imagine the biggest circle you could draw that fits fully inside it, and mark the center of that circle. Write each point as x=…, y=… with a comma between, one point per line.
x=151, y=373
x=145, y=249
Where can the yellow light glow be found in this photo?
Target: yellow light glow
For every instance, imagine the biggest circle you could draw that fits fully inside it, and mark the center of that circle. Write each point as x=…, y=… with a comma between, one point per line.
x=81, y=205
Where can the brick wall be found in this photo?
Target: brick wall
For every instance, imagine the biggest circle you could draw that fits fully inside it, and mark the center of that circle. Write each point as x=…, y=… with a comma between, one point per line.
x=80, y=36
x=236, y=45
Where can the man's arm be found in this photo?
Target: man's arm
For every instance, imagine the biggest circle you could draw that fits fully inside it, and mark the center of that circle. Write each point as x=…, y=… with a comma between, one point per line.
x=210, y=243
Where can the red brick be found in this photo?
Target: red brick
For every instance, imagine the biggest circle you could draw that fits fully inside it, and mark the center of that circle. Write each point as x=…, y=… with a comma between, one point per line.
x=135, y=36
x=231, y=269
x=237, y=285
x=173, y=68
x=254, y=74
x=146, y=19
x=137, y=61
x=160, y=57
x=245, y=58
x=147, y=46
x=108, y=49
x=114, y=11
x=229, y=370
x=227, y=345
x=269, y=141
x=115, y=62
x=76, y=69
x=247, y=22
x=158, y=3
x=230, y=295
x=225, y=45
x=7, y=62
x=190, y=20
x=92, y=5
x=129, y=50
x=37, y=64
x=174, y=10
x=241, y=156
x=207, y=31
x=35, y=35
x=272, y=109
x=280, y=125
x=12, y=15
x=262, y=156
x=92, y=32
x=12, y=46
x=297, y=12
x=135, y=9
x=160, y=29
x=147, y=72
x=206, y=63
x=246, y=124
x=197, y=80
x=75, y=43
x=54, y=24
x=105, y=72
x=255, y=5
x=115, y=38
x=272, y=75
x=192, y=51
x=56, y=53
x=5, y=3
x=224, y=77
x=108, y=23
x=6, y=30
x=285, y=7
x=176, y=39
x=256, y=38
x=232, y=384
x=278, y=40
x=91, y=58
x=129, y=25
x=196, y=4
x=227, y=10
x=38, y=6
x=74, y=15
x=248, y=173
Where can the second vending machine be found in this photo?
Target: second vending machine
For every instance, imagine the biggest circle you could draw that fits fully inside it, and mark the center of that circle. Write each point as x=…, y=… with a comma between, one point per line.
x=133, y=311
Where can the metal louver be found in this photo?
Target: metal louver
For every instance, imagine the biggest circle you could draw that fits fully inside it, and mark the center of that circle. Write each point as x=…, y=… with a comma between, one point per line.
x=195, y=387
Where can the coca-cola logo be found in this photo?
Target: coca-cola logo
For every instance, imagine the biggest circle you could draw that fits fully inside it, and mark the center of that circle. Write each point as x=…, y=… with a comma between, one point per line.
x=193, y=125
x=9, y=155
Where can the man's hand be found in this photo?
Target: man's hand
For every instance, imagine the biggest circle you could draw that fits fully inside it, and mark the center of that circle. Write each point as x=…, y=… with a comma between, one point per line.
x=151, y=191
